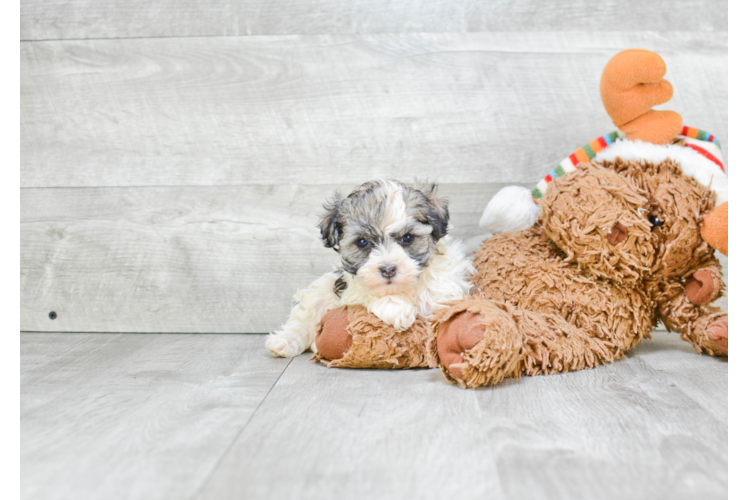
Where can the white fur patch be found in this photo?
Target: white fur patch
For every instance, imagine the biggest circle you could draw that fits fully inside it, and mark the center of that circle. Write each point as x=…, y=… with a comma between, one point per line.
x=394, y=310
x=297, y=334
x=395, y=216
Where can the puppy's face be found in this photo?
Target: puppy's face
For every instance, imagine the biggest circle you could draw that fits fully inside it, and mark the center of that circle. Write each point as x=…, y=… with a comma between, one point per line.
x=385, y=232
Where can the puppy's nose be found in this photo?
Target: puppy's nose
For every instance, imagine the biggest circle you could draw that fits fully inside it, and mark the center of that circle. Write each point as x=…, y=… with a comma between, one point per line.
x=388, y=271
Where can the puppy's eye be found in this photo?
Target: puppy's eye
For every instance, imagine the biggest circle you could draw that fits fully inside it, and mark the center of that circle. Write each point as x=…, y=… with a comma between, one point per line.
x=362, y=243
x=407, y=239
x=655, y=221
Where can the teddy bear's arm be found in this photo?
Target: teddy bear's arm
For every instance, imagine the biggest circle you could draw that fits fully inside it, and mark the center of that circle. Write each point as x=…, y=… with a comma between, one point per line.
x=352, y=337
x=705, y=284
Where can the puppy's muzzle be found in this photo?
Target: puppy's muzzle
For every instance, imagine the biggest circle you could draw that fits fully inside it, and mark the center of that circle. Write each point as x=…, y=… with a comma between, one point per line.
x=388, y=272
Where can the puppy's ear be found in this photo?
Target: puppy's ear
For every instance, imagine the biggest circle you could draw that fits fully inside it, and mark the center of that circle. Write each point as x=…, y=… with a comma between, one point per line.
x=437, y=212
x=331, y=226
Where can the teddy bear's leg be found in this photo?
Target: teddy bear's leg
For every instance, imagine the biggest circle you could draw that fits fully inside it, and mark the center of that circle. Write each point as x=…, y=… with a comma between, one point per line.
x=711, y=333
x=479, y=342
x=704, y=327
x=683, y=308
x=524, y=270
x=351, y=337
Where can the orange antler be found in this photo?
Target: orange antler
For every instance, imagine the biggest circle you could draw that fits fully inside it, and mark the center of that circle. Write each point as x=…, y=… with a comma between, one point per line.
x=632, y=82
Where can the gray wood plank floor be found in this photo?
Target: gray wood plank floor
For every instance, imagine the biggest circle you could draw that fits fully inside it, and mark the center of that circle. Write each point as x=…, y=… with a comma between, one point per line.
x=155, y=416
x=134, y=416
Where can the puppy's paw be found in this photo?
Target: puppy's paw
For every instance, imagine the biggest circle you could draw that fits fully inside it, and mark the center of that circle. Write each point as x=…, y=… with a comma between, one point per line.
x=394, y=311
x=282, y=347
x=403, y=322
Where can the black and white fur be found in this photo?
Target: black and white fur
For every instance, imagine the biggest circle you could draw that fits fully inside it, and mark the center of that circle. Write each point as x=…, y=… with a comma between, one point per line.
x=396, y=260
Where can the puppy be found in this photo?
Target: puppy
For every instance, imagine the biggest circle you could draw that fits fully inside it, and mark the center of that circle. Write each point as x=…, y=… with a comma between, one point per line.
x=395, y=259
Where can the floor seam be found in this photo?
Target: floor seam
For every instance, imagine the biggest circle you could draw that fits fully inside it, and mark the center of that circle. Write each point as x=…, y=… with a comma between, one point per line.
x=238, y=434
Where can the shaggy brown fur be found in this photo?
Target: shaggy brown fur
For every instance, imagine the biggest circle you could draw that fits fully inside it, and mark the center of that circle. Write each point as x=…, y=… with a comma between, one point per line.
x=375, y=344
x=517, y=342
x=680, y=203
x=577, y=297
x=527, y=270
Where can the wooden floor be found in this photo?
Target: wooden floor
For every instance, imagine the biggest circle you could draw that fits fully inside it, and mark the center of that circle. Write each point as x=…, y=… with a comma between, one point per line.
x=174, y=416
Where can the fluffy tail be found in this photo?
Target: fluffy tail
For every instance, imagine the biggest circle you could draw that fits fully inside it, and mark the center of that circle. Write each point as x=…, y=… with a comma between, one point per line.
x=511, y=209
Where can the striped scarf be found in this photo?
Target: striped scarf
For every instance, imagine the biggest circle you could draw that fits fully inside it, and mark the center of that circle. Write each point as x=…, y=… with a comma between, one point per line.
x=700, y=141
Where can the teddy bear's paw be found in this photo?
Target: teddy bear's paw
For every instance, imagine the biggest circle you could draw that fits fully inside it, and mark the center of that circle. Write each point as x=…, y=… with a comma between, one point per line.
x=717, y=333
x=456, y=336
x=700, y=287
x=457, y=370
x=334, y=339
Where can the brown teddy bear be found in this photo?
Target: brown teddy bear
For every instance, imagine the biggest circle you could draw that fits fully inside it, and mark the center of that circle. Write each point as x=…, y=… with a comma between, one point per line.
x=625, y=237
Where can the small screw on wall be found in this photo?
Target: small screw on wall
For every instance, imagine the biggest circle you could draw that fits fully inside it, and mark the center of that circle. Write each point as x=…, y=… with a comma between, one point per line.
x=52, y=315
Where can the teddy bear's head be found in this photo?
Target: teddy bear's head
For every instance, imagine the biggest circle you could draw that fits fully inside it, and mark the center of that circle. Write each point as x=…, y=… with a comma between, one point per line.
x=599, y=218
x=629, y=220
x=647, y=202
x=677, y=204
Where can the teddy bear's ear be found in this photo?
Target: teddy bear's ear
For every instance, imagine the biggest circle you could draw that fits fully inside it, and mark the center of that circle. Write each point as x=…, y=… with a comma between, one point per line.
x=331, y=224
x=436, y=211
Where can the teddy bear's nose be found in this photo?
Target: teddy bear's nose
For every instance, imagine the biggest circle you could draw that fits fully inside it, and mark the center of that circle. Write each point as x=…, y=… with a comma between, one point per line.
x=617, y=234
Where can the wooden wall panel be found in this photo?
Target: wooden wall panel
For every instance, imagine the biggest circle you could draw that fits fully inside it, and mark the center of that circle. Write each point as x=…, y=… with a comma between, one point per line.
x=172, y=184
x=476, y=107
x=64, y=19
x=192, y=259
